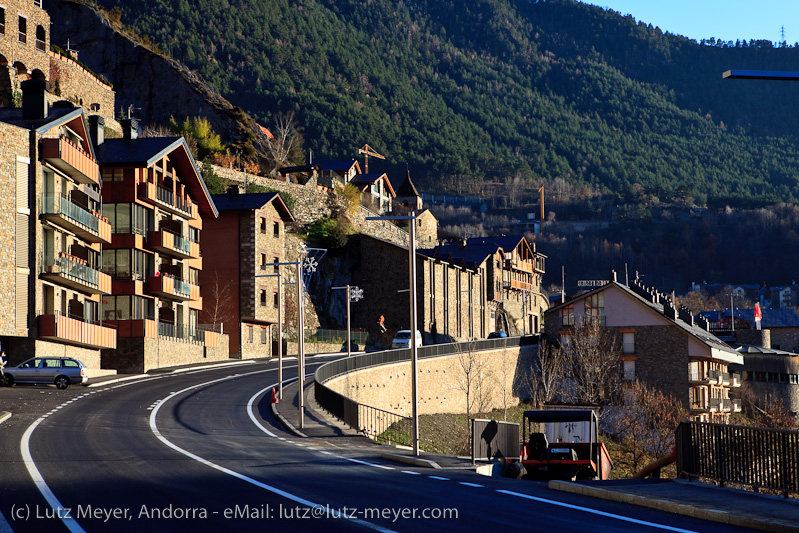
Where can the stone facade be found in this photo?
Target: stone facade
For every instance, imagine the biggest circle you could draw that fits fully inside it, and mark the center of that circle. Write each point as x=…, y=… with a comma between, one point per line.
x=82, y=87
x=25, y=49
x=141, y=354
x=441, y=383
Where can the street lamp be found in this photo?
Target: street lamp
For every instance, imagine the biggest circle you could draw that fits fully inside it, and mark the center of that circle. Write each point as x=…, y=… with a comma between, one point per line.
x=354, y=294
x=414, y=347
x=305, y=269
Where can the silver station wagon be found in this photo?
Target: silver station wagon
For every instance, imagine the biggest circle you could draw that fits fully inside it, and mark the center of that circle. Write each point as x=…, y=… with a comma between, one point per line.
x=59, y=371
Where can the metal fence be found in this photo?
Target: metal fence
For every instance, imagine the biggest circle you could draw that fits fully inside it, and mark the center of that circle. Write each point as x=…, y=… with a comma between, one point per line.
x=493, y=440
x=758, y=457
x=385, y=426
x=330, y=336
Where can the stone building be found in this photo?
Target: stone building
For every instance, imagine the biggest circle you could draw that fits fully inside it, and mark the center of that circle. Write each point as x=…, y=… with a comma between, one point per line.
x=156, y=202
x=242, y=288
x=513, y=271
x=661, y=346
x=53, y=233
x=24, y=45
x=376, y=191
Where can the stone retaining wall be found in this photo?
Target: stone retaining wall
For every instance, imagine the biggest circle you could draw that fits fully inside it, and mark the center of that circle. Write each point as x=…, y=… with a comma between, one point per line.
x=498, y=380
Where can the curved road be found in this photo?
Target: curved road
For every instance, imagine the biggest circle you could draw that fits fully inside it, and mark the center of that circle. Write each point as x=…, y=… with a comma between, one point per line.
x=201, y=451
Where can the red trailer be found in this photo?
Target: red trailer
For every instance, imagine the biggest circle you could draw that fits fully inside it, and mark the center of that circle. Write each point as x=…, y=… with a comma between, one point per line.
x=563, y=444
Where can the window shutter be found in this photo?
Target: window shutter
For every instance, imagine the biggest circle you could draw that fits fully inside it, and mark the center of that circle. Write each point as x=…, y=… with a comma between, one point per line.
x=21, y=307
x=22, y=241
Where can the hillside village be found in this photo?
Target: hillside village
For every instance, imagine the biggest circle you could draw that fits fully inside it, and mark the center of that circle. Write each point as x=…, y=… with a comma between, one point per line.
x=124, y=259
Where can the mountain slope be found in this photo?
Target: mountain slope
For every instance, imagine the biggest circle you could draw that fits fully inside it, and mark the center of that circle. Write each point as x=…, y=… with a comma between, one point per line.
x=493, y=89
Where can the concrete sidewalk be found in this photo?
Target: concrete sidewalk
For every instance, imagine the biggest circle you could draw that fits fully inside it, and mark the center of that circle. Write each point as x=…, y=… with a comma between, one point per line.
x=691, y=498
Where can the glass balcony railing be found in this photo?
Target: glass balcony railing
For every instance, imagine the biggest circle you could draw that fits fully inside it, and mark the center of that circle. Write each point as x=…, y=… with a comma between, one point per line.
x=74, y=268
x=54, y=204
x=182, y=287
x=167, y=197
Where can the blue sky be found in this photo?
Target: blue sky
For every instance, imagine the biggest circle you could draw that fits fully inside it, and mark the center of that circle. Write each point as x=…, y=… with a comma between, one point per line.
x=723, y=19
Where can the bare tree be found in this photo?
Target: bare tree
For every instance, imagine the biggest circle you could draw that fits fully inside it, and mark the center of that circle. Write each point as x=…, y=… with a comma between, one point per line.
x=473, y=378
x=218, y=302
x=593, y=364
x=286, y=138
x=548, y=373
x=645, y=424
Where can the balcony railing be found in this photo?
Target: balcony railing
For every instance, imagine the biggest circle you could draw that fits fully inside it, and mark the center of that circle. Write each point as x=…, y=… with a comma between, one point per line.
x=166, y=242
x=71, y=159
x=179, y=331
x=75, y=273
x=170, y=287
x=88, y=226
x=77, y=331
x=166, y=199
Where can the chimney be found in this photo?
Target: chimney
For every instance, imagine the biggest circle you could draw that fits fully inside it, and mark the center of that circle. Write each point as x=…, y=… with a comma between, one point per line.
x=97, y=129
x=130, y=128
x=34, y=99
x=613, y=276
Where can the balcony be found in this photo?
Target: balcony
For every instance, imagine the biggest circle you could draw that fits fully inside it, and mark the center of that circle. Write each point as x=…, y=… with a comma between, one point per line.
x=77, y=332
x=71, y=159
x=519, y=265
x=172, y=244
x=155, y=195
x=695, y=377
x=517, y=285
x=73, y=272
x=65, y=214
x=736, y=405
x=735, y=379
x=169, y=287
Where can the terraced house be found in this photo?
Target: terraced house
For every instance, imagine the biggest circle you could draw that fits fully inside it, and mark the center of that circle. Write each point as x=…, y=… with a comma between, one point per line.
x=155, y=201
x=52, y=231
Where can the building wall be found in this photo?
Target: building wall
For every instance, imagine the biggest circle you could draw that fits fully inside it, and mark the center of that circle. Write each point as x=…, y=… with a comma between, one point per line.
x=441, y=383
x=81, y=87
x=25, y=53
x=136, y=355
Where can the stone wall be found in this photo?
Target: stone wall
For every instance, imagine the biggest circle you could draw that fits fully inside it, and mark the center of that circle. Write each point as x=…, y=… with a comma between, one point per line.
x=441, y=383
x=136, y=355
x=26, y=54
x=82, y=88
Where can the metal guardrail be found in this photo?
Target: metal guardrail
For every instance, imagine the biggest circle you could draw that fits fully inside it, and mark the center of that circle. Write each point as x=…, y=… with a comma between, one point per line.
x=376, y=423
x=758, y=457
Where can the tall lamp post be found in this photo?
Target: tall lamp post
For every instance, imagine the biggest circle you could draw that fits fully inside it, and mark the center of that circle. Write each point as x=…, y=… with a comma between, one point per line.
x=305, y=269
x=414, y=347
x=354, y=294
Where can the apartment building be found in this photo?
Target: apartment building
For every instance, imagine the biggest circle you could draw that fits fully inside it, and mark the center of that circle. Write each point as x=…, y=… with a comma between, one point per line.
x=241, y=282
x=53, y=233
x=661, y=345
x=155, y=201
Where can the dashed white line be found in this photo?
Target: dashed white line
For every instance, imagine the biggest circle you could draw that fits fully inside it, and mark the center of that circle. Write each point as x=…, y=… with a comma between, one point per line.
x=411, y=472
x=439, y=478
x=471, y=484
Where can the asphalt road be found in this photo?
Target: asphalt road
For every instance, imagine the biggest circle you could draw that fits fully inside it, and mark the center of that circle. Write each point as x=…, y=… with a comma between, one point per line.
x=201, y=451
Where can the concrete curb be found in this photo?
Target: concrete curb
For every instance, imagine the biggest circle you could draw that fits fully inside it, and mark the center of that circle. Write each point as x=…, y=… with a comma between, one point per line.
x=4, y=415
x=415, y=461
x=670, y=506
x=288, y=425
x=116, y=380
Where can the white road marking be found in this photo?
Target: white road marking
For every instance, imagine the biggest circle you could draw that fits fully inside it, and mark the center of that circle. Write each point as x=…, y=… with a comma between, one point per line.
x=471, y=484
x=255, y=482
x=594, y=511
x=411, y=472
x=439, y=477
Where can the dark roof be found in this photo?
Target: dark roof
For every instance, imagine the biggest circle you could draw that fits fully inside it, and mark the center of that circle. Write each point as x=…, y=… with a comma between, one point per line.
x=145, y=151
x=471, y=256
x=251, y=202
x=336, y=166
x=407, y=189
x=772, y=318
x=507, y=243
x=759, y=359
x=56, y=116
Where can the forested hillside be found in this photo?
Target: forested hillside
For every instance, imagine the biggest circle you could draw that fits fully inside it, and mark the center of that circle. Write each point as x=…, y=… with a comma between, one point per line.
x=465, y=92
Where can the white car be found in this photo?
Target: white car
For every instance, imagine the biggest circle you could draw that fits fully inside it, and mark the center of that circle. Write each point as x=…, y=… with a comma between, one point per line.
x=403, y=339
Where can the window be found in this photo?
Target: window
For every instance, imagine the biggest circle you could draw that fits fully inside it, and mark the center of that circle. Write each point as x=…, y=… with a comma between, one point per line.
x=129, y=218
x=249, y=333
x=113, y=174
x=275, y=267
x=276, y=229
x=263, y=261
x=2, y=21
x=275, y=301
x=41, y=38
x=263, y=225
x=595, y=309
x=128, y=308
x=263, y=297
x=628, y=342
x=263, y=335
x=23, y=30
x=629, y=370
x=567, y=315
x=194, y=276
x=194, y=234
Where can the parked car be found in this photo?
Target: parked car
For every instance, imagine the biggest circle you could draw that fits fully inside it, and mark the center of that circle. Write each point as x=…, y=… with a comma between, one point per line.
x=59, y=371
x=497, y=335
x=403, y=339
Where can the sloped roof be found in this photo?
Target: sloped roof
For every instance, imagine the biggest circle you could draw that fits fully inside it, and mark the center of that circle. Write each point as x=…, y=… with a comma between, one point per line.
x=470, y=256
x=251, y=202
x=146, y=151
x=407, y=188
x=338, y=166
x=57, y=115
x=371, y=179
